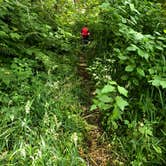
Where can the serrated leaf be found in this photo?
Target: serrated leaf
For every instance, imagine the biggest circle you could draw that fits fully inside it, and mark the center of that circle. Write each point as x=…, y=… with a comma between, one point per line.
x=129, y=68
x=108, y=88
x=122, y=91
x=140, y=72
x=121, y=103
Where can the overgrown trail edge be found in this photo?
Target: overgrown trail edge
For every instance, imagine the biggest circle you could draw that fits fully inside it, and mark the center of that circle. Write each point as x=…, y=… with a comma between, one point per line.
x=97, y=153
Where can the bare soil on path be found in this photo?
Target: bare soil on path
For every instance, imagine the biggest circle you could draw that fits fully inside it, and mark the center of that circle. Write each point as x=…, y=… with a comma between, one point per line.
x=98, y=150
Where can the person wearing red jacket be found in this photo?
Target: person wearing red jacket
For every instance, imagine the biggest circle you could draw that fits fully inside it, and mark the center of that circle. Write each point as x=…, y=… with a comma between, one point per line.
x=85, y=35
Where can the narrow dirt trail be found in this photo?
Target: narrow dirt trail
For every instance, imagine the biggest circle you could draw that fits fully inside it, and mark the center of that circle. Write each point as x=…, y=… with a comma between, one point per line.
x=97, y=153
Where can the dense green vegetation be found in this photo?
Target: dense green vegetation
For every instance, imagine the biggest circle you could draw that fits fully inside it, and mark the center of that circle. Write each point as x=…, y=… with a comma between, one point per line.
x=129, y=70
x=41, y=93
x=40, y=123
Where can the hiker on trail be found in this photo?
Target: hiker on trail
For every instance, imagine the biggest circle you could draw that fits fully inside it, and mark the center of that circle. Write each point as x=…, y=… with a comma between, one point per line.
x=85, y=35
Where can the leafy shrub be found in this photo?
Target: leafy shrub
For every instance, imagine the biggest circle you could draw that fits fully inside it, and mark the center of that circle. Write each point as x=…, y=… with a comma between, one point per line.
x=130, y=46
x=36, y=85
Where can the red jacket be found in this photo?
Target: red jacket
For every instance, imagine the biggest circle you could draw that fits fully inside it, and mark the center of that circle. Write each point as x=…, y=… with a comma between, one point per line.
x=85, y=32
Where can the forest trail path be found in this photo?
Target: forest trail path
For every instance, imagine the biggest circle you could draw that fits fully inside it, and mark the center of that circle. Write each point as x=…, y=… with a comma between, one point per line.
x=97, y=153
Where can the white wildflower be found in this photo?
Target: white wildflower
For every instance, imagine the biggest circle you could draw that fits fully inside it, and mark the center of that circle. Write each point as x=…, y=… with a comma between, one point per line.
x=23, y=152
x=28, y=106
x=74, y=138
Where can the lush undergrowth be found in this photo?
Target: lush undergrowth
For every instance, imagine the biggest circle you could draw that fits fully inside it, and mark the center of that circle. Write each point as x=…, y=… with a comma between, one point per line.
x=127, y=62
x=40, y=122
x=39, y=89
x=41, y=93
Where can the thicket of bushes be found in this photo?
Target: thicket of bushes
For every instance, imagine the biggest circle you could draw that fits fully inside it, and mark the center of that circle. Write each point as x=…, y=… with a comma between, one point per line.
x=39, y=105
x=39, y=91
x=129, y=70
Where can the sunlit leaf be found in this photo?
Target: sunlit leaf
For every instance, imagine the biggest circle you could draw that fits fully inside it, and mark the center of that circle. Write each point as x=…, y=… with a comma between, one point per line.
x=121, y=103
x=155, y=82
x=132, y=47
x=163, y=83
x=129, y=68
x=3, y=34
x=108, y=88
x=143, y=53
x=93, y=107
x=105, y=98
x=122, y=91
x=15, y=36
x=141, y=72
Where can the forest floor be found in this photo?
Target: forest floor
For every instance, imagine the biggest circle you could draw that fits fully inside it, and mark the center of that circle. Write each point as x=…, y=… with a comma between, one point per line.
x=97, y=152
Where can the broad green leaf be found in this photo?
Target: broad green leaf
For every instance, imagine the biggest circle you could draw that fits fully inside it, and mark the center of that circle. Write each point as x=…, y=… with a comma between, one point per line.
x=151, y=71
x=105, y=98
x=143, y=54
x=105, y=6
x=112, y=83
x=15, y=36
x=3, y=34
x=132, y=47
x=121, y=103
x=108, y=88
x=132, y=7
x=161, y=38
x=163, y=83
x=156, y=81
x=129, y=68
x=103, y=106
x=139, y=36
x=115, y=125
x=106, y=106
x=116, y=113
x=140, y=72
x=124, y=20
x=159, y=47
x=164, y=30
x=122, y=57
x=122, y=91
x=93, y=107
x=126, y=122
x=97, y=91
